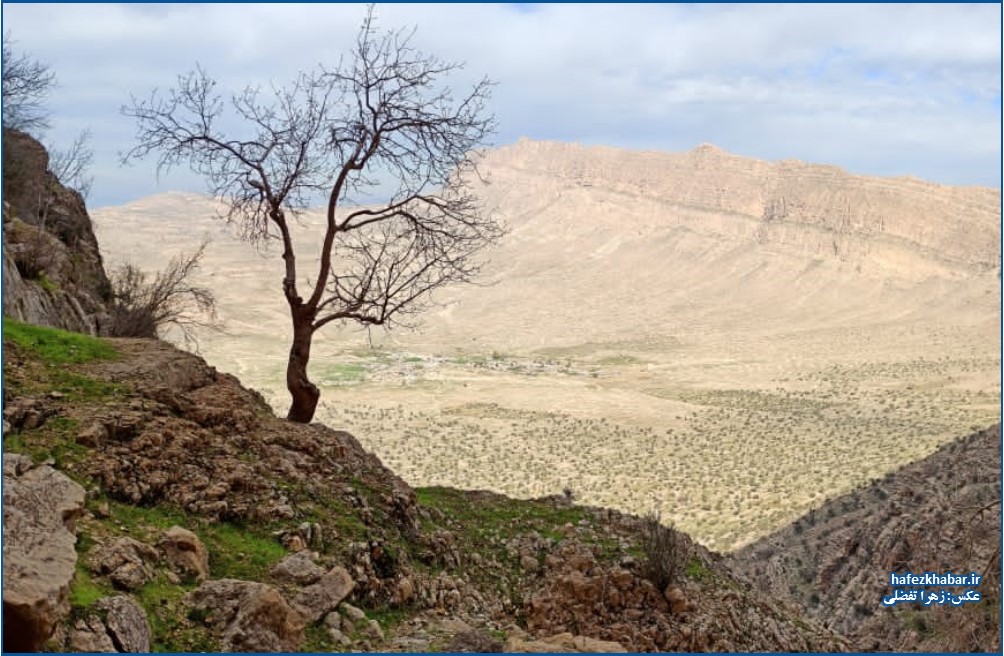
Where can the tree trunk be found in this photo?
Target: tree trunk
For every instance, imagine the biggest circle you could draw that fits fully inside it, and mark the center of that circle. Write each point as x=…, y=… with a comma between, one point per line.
x=305, y=394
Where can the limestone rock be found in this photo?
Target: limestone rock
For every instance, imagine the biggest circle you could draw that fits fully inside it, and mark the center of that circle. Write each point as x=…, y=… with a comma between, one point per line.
x=474, y=641
x=40, y=505
x=322, y=597
x=90, y=635
x=118, y=624
x=47, y=230
x=374, y=630
x=126, y=562
x=251, y=617
x=126, y=623
x=563, y=643
x=404, y=592
x=185, y=551
x=298, y=568
x=352, y=613
x=333, y=620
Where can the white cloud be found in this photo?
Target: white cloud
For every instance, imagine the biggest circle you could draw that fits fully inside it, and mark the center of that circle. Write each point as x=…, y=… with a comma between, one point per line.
x=877, y=89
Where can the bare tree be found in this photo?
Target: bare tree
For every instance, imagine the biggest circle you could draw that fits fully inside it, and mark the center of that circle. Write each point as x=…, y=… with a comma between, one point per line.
x=381, y=114
x=72, y=166
x=26, y=82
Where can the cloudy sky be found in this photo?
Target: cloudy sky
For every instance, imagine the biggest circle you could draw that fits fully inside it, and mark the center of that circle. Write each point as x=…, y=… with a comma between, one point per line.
x=877, y=89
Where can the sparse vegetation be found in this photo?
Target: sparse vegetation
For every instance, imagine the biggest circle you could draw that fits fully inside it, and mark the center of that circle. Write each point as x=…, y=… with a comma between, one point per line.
x=720, y=442
x=665, y=557
x=145, y=309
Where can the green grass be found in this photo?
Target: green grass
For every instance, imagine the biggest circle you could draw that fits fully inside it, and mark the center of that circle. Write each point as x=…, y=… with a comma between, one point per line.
x=50, y=354
x=55, y=346
x=172, y=630
x=696, y=571
x=318, y=640
x=78, y=387
x=386, y=617
x=84, y=592
x=55, y=439
x=147, y=522
x=236, y=552
x=337, y=374
x=483, y=519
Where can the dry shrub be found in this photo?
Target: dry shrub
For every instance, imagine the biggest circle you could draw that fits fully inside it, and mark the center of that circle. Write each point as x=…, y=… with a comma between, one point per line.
x=143, y=309
x=665, y=553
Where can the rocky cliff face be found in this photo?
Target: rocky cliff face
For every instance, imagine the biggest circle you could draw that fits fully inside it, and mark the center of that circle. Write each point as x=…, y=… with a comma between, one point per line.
x=52, y=269
x=810, y=209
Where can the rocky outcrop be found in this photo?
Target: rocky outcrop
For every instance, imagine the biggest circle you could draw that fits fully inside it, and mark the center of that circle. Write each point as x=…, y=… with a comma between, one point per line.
x=249, y=617
x=127, y=563
x=40, y=506
x=53, y=273
x=614, y=603
x=221, y=455
x=317, y=600
x=298, y=568
x=938, y=514
x=118, y=624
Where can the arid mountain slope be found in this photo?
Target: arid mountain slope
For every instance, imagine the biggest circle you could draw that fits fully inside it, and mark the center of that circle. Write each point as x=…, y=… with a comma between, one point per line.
x=614, y=242
x=941, y=514
x=165, y=444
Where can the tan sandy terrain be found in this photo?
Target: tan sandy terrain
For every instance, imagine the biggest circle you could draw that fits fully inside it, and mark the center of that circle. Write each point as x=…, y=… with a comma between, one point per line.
x=725, y=340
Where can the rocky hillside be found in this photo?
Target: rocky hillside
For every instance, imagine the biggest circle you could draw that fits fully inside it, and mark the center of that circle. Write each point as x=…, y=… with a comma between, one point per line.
x=52, y=268
x=940, y=514
x=203, y=523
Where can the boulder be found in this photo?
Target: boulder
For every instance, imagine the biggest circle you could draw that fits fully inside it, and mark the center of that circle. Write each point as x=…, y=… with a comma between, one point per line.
x=404, y=591
x=352, y=613
x=127, y=563
x=39, y=509
x=90, y=635
x=373, y=630
x=126, y=623
x=251, y=617
x=298, y=568
x=186, y=552
x=118, y=624
x=317, y=600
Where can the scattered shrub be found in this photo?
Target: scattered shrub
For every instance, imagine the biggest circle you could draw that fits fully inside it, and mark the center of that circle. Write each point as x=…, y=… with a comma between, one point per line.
x=142, y=309
x=664, y=552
